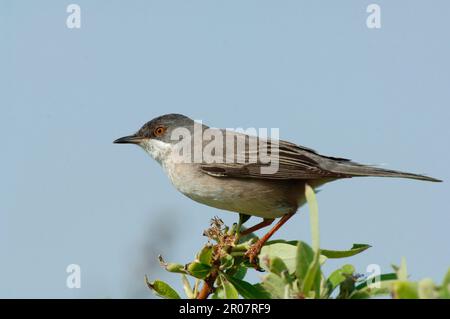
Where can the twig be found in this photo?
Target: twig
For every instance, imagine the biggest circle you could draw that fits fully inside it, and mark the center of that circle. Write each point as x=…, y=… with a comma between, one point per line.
x=208, y=286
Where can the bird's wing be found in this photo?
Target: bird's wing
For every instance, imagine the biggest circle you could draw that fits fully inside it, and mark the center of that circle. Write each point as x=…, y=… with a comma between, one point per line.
x=296, y=162
x=293, y=161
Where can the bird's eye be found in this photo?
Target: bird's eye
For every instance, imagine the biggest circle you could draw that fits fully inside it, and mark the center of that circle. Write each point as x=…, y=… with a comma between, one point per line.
x=159, y=131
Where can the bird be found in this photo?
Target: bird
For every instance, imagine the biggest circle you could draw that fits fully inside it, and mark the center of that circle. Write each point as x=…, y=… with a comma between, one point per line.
x=244, y=182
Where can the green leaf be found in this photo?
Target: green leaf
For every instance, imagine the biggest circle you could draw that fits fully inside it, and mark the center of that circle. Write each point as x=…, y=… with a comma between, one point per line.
x=205, y=255
x=304, y=258
x=445, y=288
x=187, y=287
x=347, y=287
x=374, y=292
x=362, y=295
x=395, y=267
x=261, y=291
x=240, y=273
x=162, y=289
x=312, y=277
x=384, y=278
x=175, y=268
x=427, y=289
x=198, y=270
x=226, y=262
x=218, y=293
x=402, y=272
x=327, y=253
x=277, y=266
x=247, y=290
x=171, y=267
x=247, y=238
x=229, y=292
x=242, y=247
x=356, y=249
x=338, y=276
x=313, y=216
x=384, y=287
x=282, y=241
x=405, y=290
x=283, y=251
x=275, y=286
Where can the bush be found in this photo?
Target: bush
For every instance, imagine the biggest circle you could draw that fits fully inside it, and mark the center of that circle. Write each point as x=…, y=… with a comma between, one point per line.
x=293, y=270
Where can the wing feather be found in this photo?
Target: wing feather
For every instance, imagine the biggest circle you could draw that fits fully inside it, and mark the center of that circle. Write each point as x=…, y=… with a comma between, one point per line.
x=294, y=162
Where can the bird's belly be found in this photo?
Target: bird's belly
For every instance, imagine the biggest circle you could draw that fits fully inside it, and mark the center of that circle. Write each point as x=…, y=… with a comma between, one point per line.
x=267, y=199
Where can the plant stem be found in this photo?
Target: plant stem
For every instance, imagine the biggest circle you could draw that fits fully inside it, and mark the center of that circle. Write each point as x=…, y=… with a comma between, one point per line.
x=208, y=286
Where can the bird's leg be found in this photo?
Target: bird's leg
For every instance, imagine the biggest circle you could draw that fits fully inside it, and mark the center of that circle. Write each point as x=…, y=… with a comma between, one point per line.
x=254, y=250
x=264, y=223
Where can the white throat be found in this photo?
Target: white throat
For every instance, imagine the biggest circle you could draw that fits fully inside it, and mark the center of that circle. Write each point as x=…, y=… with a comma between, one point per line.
x=157, y=149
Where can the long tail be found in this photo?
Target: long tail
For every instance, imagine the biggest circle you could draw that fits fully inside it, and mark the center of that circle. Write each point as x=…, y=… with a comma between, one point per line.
x=355, y=169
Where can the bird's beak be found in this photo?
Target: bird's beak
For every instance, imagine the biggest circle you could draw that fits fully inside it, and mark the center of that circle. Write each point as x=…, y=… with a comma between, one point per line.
x=132, y=139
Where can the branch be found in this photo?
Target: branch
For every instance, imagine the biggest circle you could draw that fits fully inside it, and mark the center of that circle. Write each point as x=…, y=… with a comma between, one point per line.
x=208, y=286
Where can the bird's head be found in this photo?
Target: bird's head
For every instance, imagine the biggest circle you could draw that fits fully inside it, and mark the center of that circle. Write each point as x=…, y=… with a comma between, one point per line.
x=156, y=136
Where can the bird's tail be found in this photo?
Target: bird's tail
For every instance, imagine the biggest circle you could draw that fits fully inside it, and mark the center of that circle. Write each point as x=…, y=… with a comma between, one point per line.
x=355, y=169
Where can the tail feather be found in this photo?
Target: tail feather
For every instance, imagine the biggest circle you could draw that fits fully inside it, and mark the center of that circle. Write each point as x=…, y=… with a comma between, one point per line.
x=355, y=169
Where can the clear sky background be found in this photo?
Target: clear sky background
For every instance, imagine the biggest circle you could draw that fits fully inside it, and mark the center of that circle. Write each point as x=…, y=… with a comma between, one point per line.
x=311, y=68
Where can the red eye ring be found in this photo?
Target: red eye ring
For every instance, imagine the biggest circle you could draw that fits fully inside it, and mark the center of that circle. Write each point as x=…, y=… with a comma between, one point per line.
x=159, y=131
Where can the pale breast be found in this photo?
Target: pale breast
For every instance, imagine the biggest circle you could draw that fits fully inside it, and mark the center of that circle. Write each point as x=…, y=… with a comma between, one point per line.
x=263, y=198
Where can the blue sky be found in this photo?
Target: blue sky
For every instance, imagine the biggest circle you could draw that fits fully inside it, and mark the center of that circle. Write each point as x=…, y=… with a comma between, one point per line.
x=312, y=69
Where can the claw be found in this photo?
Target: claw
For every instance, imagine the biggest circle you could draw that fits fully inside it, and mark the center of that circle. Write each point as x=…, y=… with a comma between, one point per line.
x=253, y=251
